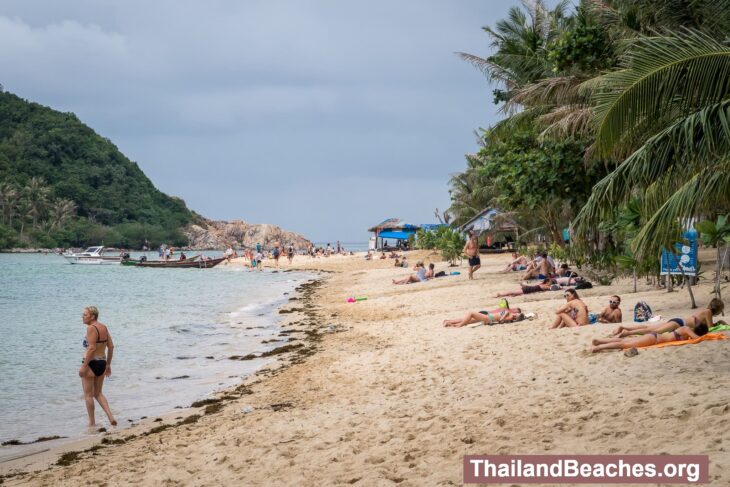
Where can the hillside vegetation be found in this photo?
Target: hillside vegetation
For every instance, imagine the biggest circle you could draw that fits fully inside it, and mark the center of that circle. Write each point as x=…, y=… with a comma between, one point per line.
x=62, y=184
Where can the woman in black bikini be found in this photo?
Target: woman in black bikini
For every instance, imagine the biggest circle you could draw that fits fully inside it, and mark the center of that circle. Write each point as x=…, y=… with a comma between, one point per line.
x=651, y=338
x=714, y=308
x=96, y=363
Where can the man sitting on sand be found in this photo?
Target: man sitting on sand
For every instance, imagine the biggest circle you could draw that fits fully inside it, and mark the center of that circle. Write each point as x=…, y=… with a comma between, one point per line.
x=612, y=312
x=571, y=314
x=419, y=276
x=545, y=285
x=490, y=317
x=543, y=268
x=680, y=334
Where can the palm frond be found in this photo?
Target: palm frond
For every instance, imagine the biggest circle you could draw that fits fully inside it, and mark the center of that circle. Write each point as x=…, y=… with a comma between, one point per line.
x=662, y=74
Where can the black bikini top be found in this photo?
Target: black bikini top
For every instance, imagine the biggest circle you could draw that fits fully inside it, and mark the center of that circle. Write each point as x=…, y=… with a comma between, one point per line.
x=98, y=336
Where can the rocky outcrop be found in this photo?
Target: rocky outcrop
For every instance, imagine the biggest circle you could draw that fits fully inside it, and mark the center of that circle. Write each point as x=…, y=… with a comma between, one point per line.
x=238, y=234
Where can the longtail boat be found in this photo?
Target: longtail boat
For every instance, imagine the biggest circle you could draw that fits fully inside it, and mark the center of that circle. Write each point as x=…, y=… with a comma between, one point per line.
x=192, y=262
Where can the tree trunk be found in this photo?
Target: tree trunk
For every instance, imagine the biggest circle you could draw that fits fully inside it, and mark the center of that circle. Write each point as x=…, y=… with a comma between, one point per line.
x=718, y=274
x=634, y=279
x=688, y=280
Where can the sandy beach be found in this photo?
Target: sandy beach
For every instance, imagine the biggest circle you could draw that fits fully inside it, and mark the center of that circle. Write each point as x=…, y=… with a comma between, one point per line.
x=378, y=392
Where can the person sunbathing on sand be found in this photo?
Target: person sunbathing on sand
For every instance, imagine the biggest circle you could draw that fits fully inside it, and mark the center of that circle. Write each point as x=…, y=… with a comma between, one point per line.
x=543, y=269
x=714, y=308
x=419, y=276
x=490, y=317
x=519, y=263
x=545, y=285
x=571, y=314
x=651, y=338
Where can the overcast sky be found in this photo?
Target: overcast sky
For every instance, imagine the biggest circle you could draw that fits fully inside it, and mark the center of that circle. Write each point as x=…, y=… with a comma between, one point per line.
x=323, y=117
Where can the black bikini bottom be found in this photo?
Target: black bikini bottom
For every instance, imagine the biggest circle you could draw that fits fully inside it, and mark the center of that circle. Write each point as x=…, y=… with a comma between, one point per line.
x=97, y=366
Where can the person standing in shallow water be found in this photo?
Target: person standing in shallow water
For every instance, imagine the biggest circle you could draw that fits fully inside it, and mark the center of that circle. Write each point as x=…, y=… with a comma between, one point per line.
x=471, y=249
x=96, y=364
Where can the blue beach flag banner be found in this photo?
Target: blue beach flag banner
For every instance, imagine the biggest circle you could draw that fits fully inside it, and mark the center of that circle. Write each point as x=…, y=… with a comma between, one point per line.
x=687, y=254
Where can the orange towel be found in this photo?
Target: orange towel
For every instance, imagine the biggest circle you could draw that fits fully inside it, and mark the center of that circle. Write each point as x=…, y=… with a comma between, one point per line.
x=708, y=336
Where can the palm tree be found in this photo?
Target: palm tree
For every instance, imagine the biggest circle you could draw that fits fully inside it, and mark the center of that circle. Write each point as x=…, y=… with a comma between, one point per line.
x=519, y=43
x=470, y=192
x=668, y=109
x=61, y=211
x=9, y=196
x=36, y=194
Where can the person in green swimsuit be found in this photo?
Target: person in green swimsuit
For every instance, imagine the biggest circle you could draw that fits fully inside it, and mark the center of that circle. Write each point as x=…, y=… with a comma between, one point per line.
x=490, y=317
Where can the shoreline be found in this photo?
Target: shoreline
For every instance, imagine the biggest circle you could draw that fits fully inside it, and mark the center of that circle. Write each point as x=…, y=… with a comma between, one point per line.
x=393, y=397
x=50, y=446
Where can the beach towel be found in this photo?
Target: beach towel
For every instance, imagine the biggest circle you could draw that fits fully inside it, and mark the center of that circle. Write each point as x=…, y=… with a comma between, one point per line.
x=703, y=338
x=720, y=328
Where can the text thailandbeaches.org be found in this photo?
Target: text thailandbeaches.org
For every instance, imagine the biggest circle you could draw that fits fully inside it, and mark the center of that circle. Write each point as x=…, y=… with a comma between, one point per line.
x=587, y=469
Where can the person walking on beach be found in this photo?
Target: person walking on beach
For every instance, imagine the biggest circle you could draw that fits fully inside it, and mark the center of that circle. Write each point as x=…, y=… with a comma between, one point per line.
x=96, y=364
x=277, y=253
x=290, y=253
x=471, y=249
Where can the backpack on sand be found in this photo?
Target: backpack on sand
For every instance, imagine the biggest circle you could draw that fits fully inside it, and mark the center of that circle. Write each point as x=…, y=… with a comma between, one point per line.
x=642, y=312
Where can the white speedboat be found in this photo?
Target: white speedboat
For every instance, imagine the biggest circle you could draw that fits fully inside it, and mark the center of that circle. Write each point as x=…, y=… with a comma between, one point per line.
x=92, y=255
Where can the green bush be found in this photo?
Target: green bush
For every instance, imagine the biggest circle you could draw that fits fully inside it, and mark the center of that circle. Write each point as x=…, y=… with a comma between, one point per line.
x=8, y=237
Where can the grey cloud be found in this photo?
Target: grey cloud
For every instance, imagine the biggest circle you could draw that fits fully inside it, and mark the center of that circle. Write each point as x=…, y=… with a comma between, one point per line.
x=265, y=94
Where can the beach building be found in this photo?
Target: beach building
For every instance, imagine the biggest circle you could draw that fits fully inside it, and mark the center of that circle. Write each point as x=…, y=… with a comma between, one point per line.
x=496, y=226
x=396, y=229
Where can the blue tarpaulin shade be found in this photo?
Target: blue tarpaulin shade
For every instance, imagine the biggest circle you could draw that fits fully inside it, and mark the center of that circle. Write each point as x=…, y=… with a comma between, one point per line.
x=396, y=234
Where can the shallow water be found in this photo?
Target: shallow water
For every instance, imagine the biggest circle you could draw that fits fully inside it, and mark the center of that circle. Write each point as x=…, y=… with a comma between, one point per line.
x=173, y=332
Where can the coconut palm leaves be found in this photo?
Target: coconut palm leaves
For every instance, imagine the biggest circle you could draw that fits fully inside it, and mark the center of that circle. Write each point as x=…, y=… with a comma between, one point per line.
x=675, y=90
x=519, y=42
x=36, y=193
x=663, y=77
x=60, y=212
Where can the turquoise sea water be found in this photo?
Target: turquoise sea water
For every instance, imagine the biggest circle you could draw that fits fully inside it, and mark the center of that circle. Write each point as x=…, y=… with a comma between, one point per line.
x=173, y=331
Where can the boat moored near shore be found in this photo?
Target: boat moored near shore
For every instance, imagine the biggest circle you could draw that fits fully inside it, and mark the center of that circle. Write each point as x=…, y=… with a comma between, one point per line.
x=92, y=255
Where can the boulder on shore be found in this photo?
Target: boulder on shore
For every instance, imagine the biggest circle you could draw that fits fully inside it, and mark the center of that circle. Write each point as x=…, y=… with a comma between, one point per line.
x=238, y=234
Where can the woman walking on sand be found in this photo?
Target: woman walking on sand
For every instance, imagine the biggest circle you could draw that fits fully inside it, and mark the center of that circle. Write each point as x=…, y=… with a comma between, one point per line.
x=96, y=364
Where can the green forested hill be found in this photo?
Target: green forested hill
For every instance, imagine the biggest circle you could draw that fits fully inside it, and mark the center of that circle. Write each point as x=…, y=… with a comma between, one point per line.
x=62, y=184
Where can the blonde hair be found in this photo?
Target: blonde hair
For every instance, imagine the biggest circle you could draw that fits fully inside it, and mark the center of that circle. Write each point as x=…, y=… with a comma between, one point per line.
x=716, y=306
x=93, y=311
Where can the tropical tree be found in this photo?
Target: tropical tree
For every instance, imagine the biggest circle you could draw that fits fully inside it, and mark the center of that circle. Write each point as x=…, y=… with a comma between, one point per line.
x=716, y=234
x=61, y=210
x=668, y=109
x=9, y=197
x=519, y=43
x=36, y=194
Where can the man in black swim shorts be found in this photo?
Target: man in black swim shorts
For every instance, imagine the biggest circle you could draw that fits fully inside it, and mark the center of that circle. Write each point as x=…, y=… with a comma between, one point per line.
x=471, y=249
